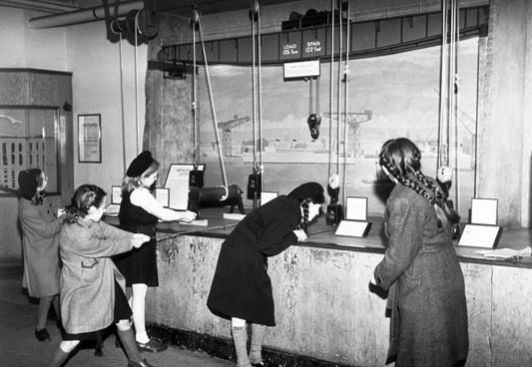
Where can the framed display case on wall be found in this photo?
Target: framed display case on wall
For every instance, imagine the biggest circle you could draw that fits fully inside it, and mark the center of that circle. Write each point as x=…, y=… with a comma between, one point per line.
x=29, y=138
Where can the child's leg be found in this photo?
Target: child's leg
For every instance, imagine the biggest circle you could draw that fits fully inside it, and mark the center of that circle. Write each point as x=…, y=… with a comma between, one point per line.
x=62, y=352
x=257, y=336
x=128, y=340
x=57, y=307
x=42, y=312
x=138, y=305
x=240, y=338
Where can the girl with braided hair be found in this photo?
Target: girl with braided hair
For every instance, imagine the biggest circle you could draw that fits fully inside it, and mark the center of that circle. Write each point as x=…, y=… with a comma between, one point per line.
x=420, y=269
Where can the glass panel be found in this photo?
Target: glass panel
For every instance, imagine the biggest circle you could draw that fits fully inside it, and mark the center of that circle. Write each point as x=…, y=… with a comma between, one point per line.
x=29, y=140
x=389, y=96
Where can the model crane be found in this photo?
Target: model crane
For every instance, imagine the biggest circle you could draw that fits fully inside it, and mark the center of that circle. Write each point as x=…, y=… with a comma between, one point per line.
x=227, y=127
x=354, y=119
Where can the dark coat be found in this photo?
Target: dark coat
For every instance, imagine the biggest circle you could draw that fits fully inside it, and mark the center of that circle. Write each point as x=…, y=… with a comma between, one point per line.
x=426, y=285
x=241, y=286
x=140, y=264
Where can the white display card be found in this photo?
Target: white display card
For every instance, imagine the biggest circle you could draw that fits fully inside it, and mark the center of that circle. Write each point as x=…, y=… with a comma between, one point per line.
x=266, y=196
x=356, y=208
x=177, y=182
x=163, y=196
x=477, y=235
x=353, y=228
x=116, y=194
x=484, y=211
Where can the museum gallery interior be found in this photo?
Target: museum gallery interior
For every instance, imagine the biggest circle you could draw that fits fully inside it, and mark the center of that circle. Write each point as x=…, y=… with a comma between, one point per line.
x=240, y=102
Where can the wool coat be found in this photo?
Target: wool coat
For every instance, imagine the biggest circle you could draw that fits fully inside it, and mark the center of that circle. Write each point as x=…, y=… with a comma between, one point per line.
x=88, y=274
x=40, y=242
x=241, y=286
x=426, y=286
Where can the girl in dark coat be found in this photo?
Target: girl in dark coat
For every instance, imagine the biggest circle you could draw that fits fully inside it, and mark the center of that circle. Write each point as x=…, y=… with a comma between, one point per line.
x=241, y=289
x=420, y=268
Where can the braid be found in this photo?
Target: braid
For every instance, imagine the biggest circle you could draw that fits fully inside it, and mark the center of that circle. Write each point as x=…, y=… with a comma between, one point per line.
x=304, y=221
x=440, y=195
x=406, y=181
x=438, y=200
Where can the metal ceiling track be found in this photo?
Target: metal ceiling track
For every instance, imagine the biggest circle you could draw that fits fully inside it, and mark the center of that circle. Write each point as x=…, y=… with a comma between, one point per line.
x=367, y=39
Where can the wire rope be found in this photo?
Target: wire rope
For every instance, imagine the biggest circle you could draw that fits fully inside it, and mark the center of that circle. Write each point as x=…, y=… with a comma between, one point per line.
x=213, y=107
x=346, y=101
x=331, y=89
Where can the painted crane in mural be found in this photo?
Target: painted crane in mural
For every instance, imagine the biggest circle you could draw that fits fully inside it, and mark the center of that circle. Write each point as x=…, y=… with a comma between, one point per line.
x=354, y=120
x=227, y=127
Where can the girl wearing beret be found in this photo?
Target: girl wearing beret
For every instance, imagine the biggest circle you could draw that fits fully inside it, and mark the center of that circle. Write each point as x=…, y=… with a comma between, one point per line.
x=420, y=269
x=40, y=229
x=241, y=288
x=139, y=212
x=92, y=289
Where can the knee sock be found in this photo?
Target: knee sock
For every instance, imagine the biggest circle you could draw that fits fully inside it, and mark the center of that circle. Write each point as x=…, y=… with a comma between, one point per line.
x=58, y=358
x=42, y=312
x=138, y=307
x=240, y=339
x=130, y=345
x=257, y=336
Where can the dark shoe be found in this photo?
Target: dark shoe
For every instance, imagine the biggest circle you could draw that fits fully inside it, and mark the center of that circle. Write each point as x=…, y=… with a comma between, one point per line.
x=153, y=346
x=43, y=336
x=260, y=364
x=143, y=363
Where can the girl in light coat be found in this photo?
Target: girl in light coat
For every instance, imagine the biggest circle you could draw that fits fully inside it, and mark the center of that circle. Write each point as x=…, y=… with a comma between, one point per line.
x=92, y=289
x=40, y=241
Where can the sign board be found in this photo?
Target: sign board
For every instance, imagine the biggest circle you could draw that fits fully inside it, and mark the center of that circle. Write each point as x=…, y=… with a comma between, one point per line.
x=177, y=183
x=302, y=69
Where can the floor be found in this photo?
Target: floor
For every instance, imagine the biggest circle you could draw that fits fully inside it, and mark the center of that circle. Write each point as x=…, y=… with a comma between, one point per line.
x=19, y=348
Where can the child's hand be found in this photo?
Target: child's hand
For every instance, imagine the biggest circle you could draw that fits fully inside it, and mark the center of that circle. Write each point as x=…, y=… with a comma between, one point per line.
x=139, y=239
x=301, y=235
x=188, y=216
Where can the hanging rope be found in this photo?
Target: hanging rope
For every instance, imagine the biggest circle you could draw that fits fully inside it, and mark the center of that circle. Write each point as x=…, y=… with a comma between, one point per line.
x=338, y=90
x=195, y=20
x=213, y=108
x=331, y=88
x=346, y=100
x=137, y=114
x=124, y=161
x=448, y=147
x=259, y=95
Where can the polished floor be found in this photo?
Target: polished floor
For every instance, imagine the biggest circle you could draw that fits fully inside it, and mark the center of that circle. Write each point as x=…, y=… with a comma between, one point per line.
x=19, y=348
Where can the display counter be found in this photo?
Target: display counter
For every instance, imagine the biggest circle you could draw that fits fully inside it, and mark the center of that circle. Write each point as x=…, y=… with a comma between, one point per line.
x=325, y=313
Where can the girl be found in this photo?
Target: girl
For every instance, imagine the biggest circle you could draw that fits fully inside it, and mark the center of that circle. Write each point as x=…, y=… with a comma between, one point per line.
x=420, y=268
x=241, y=289
x=40, y=241
x=139, y=212
x=92, y=289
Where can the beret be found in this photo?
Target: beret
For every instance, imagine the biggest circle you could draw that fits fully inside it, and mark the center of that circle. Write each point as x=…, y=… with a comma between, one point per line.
x=140, y=164
x=312, y=190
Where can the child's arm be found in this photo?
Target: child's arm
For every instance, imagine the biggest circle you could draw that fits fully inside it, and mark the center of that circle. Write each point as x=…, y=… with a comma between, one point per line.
x=146, y=201
x=108, y=241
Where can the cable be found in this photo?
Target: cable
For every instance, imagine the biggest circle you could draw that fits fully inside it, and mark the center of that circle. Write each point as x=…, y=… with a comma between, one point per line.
x=213, y=108
x=346, y=101
x=331, y=88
